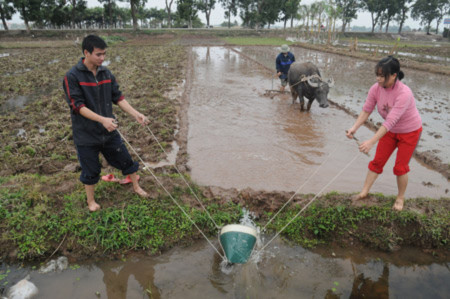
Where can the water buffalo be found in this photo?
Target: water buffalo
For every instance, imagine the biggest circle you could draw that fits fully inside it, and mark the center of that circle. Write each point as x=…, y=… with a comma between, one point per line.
x=305, y=81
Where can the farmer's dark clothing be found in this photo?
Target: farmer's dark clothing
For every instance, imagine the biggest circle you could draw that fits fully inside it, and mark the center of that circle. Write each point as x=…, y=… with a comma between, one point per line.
x=96, y=93
x=115, y=153
x=283, y=63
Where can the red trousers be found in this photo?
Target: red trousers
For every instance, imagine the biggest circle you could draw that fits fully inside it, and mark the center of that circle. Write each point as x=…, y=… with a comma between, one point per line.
x=406, y=144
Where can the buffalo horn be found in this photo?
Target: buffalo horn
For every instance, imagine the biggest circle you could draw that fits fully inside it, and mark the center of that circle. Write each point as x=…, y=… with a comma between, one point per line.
x=313, y=84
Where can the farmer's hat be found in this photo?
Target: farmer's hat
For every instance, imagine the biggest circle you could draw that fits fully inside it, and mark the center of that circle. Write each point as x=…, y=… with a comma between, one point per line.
x=284, y=49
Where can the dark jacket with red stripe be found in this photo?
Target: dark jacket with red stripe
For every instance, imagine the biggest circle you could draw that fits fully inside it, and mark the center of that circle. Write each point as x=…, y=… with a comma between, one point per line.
x=96, y=93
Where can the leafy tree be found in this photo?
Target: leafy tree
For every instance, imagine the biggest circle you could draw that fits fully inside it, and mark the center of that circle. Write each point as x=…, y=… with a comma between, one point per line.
x=349, y=10
x=187, y=11
x=248, y=12
x=108, y=8
x=425, y=11
x=206, y=6
x=401, y=15
x=333, y=13
x=392, y=9
x=53, y=14
x=258, y=13
x=6, y=11
x=304, y=13
x=155, y=16
x=169, y=12
x=268, y=12
x=123, y=16
x=230, y=7
x=78, y=6
x=289, y=9
x=227, y=24
x=94, y=17
x=135, y=6
x=312, y=14
x=78, y=12
x=376, y=9
x=29, y=10
x=320, y=14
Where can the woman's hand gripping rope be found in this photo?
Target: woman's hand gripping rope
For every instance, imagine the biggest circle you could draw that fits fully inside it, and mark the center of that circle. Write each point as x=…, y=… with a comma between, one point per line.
x=363, y=147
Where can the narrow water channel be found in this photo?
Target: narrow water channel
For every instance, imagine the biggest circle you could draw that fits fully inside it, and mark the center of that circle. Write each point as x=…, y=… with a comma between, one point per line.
x=282, y=272
x=239, y=138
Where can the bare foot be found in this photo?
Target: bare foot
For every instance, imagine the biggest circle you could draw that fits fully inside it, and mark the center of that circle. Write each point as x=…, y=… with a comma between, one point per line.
x=141, y=192
x=93, y=206
x=398, y=205
x=359, y=196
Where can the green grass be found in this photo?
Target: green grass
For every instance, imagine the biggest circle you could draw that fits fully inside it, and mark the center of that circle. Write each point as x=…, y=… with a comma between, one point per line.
x=35, y=223
x=401, y=44
x=253, y=41
x=377, y=226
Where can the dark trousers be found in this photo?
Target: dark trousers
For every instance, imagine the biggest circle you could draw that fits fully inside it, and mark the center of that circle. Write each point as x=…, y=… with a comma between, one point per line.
x=115, y=153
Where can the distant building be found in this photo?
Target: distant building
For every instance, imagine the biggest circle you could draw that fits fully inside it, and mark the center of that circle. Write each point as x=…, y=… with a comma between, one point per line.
x=447, y=22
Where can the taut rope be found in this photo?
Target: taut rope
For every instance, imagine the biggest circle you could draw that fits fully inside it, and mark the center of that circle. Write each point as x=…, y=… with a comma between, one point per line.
x=307, y=205
x=170, y=195
x=303, y=79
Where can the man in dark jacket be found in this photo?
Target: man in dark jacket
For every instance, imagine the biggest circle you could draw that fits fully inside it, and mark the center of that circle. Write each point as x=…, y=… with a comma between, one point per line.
x=283, y=63
x=91, y=90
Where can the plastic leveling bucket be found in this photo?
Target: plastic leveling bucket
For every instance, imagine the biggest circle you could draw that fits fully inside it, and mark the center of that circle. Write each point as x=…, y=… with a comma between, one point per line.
x=237, y=242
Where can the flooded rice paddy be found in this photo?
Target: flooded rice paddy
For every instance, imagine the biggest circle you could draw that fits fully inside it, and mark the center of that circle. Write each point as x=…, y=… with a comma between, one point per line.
x=239, y=138
x=281, y=272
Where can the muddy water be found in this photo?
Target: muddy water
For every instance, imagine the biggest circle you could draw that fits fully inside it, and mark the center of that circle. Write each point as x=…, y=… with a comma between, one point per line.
x=240, y=138
x=14, y=103
x=281, y=272
x=353, y=79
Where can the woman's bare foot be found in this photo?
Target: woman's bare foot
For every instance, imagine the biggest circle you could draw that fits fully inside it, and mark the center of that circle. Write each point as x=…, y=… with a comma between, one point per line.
x=398, y=205
x=359, y=196
x=93, y=206
x=140, y=192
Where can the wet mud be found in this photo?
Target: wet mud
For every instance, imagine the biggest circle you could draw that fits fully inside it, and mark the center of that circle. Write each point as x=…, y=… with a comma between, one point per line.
x=239, y=138
x=353, y=79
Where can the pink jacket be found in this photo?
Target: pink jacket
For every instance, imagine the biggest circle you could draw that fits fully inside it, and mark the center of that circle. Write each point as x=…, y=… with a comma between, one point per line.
x=396, y=105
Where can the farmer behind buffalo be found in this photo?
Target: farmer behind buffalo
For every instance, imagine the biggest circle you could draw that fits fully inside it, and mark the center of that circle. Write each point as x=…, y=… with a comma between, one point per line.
x=283, y=63
x=91, y=90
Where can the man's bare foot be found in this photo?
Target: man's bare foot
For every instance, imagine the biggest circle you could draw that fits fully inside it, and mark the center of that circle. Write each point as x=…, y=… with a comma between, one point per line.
x=93, y=206
x=141, y=192
x=398, y=205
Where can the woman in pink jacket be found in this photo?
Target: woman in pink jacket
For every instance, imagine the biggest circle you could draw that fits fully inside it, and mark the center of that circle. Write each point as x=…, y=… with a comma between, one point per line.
x=401, y=128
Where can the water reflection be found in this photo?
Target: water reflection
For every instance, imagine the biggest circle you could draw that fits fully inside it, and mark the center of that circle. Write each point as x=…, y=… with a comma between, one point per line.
x=365, y=287
x=15, y=103
x=119, y=275
x=283, y=272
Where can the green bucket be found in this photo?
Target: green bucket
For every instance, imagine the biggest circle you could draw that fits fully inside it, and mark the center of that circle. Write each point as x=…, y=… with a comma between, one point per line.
x=237, y=242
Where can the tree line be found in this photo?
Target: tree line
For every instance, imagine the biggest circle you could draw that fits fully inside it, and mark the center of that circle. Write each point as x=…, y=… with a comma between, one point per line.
x=64, y=14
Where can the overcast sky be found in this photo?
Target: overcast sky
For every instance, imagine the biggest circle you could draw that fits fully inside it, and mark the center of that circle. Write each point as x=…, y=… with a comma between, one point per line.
x=217, y=15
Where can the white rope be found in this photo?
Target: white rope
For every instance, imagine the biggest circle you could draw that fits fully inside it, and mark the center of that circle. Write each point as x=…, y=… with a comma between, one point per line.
x=170, y=195
x=298, y=190
x=182, y=176
x=314, y=198
x=303, y=79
